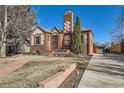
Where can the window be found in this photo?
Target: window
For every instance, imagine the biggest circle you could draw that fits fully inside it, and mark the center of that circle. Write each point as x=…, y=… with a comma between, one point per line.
x=37, y=40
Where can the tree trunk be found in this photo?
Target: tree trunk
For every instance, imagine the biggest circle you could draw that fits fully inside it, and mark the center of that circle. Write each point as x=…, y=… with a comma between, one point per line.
x=3, y=46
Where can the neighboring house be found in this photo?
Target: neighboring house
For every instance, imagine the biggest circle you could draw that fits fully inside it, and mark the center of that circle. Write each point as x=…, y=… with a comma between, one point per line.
x=15, y=44
x=98, y=49
x=117, y=47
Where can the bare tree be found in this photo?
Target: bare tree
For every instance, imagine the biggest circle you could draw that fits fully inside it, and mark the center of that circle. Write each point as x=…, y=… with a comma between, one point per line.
x=23, y=25
x=117, y=33
x=19, y=19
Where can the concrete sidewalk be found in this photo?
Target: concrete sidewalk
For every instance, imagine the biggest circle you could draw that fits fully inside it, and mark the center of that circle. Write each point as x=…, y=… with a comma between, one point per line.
x=104, y=72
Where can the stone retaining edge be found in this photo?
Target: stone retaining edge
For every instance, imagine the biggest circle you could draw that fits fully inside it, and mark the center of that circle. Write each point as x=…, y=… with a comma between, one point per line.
x=56, y=80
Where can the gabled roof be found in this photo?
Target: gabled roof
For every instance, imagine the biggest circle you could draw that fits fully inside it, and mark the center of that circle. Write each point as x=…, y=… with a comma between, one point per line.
x=57, y=29
x=45, y=31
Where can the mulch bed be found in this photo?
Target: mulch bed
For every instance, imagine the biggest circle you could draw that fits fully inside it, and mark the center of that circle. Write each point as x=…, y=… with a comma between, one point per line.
x=73, y=80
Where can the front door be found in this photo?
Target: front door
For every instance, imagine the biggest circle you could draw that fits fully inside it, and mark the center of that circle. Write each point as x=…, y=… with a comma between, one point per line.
x=55, y=41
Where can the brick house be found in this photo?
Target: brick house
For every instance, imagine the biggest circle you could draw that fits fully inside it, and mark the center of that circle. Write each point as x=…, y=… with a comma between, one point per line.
x=42, y=40
x=39, y=40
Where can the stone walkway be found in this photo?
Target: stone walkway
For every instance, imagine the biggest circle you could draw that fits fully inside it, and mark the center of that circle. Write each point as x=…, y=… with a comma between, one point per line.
x=104, y=72
x=4, y=70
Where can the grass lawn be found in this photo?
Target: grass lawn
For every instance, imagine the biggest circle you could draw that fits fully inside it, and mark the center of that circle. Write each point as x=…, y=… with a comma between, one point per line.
x=37, y=69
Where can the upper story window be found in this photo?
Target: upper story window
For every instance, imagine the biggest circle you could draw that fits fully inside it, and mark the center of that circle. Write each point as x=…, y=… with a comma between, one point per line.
x=37, y=40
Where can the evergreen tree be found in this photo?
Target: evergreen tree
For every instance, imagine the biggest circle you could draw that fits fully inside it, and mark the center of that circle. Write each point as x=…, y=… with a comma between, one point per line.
x=76, y=38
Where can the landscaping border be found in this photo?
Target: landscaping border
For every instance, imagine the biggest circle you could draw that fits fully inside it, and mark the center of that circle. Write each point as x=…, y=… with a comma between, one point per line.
x=57, y=79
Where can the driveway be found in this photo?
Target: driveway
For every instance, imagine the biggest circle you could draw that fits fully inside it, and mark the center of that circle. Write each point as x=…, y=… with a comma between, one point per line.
x=104, y=72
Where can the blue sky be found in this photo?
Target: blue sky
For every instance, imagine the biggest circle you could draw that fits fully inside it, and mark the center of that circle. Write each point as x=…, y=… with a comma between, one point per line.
x=100, y=19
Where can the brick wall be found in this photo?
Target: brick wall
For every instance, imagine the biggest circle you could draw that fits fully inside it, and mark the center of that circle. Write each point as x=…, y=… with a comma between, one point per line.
x=47, y=41
x=88, y=48
x=89, y=43
x=44, y=44
x=35, y=48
